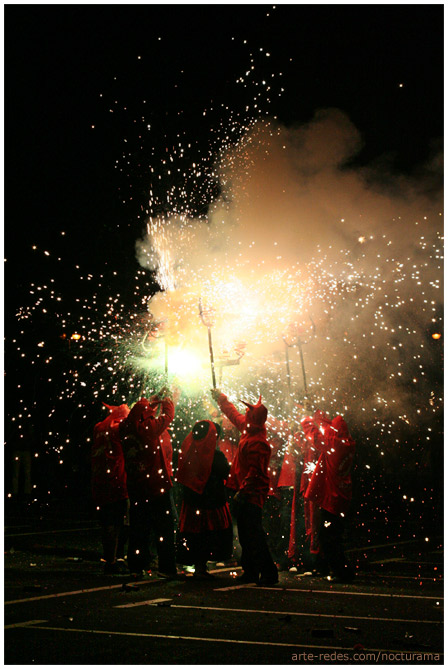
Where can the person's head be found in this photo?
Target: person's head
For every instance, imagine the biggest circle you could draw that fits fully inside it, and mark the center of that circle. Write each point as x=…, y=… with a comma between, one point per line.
x=339, y=426
x=322, y=419
x=256, y=414
x=148, y=406
x=117, y=412
x=201, y=429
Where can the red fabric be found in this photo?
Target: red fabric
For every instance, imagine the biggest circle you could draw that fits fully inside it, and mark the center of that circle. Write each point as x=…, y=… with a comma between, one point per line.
x=229, y=448
x=330, y=486
x=167, y=448
x=108, y=470
x=249, y=471
x=288, y=472
x=295, y=456
x=293, y=547
x=146, y=464
x=199, y=520
x=196, y=459
x=228, y=442
x=312, y=523
x=310, y=455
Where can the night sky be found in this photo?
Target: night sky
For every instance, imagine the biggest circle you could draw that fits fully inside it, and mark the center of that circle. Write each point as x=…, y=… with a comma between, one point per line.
x=59, y=59
x=98, y=95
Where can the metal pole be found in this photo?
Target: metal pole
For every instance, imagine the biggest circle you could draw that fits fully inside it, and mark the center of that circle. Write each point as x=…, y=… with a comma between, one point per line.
x=212, y=361
x=288, y=370
x=303, y=364
x=210, y=345
x=166, y=358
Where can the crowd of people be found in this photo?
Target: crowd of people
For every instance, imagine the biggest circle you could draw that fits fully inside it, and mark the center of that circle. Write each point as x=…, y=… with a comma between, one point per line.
x=227, y=470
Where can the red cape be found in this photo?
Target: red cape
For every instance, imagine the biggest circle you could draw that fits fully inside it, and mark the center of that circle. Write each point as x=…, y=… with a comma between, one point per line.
x=108, y=471
x=196, y=459
x=330, y=486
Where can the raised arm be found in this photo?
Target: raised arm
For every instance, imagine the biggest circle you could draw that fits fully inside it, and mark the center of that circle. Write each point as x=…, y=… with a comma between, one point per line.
x=156, y=426
x=227, y=408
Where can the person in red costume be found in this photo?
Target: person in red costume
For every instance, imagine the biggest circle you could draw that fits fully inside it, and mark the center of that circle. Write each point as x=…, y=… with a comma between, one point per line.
x=277, y=509
x=109, y=489
x=330, y=485
x=305, y=456
x=165, y=437
x=149, y=484
x=205, y=523
x=250, y=478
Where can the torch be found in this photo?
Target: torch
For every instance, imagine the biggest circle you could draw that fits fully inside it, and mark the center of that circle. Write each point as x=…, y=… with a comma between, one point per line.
x=206, y=317
x=296, y=340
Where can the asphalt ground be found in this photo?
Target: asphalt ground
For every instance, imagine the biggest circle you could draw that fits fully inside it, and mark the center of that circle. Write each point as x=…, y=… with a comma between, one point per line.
x=61, y=609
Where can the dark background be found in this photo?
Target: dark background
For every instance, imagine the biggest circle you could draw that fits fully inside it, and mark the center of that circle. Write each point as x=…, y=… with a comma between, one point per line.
x=60, y=172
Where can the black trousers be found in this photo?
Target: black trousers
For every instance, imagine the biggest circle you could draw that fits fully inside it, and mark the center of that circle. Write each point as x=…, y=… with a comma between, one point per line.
x=112, y=518
x=331, y=533
x=154, y=515
x=197, y=548
x=256, y=558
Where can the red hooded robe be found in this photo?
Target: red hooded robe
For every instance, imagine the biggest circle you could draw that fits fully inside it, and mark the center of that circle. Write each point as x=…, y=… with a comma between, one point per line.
x=195, y=467
x=108, y=470
x=146, y=464
x=330, y=486
x=249, y=472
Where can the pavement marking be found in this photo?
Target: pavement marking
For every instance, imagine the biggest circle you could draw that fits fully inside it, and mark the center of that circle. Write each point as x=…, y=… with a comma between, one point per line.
x=311, y=591
x=32, y=534
x=370, y=548
x=380, y=576
x=403, y=560
x=419, y=562
x=148, y=602
x=28, y=623
x=87, y=590
x=82, y=592
x=395, y=559
x=211, y=640
x=152, y=602
x=236, y=587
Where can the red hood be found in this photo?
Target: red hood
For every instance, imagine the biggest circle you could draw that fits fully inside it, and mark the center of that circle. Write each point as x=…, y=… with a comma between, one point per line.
x=256, y=415
x=196, y=458
x=146, y=407
x=321, y=418
x=117, y=413
x=339, y=425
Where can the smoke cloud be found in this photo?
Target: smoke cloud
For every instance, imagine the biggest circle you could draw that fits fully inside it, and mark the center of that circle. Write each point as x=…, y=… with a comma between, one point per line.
x=366, y=242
